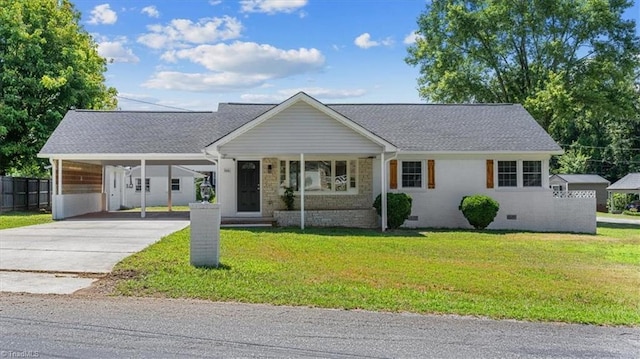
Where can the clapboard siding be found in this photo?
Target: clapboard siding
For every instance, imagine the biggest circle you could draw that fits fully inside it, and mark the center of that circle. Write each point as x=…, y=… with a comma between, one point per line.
x=300, y=129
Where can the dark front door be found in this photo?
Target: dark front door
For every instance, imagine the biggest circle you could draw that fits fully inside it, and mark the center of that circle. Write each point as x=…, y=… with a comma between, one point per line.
x=248, y=186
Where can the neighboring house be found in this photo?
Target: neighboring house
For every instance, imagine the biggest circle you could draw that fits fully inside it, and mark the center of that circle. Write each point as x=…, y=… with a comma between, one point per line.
x=124, y=192
x=582, y=182
x=337, y=158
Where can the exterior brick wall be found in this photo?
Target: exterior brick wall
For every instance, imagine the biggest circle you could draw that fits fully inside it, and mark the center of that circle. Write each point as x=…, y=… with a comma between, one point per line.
x=270, y=187
x=271, y=191
x=354, y=218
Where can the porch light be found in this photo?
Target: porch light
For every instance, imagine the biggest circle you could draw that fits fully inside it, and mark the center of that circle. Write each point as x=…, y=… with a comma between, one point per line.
x=205, y=190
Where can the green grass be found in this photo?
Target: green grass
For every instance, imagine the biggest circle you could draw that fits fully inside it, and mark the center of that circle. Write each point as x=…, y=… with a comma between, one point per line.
x=21, y=219
x=528, y=276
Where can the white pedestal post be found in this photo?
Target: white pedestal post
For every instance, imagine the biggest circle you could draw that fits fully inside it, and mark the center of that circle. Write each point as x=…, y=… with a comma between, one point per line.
x=204, y=246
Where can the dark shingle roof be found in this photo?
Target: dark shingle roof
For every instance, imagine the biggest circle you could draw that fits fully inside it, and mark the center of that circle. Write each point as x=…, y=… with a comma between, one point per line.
x=131, y=132
x=582, y=178
x=410, y=127
x=630, y=182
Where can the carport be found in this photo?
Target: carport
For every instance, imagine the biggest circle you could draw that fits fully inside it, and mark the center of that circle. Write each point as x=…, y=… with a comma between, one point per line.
x=627, y=184
x=88, y=146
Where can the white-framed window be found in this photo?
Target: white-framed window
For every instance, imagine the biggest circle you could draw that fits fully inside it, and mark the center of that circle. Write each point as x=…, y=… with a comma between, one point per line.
x=532, y=173
x=411, y=174
x=514, y=173
x=507, y=173
x=321, y=176
x=557, y=187
x=147, y=184
x=175, y=184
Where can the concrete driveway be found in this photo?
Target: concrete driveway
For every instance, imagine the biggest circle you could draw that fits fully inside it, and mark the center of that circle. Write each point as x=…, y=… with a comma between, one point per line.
x=61, y=257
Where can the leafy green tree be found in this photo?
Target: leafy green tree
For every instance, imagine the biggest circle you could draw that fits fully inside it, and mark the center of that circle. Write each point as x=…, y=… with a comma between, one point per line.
x=48, y=64
x=573, y=161
x=572, y=64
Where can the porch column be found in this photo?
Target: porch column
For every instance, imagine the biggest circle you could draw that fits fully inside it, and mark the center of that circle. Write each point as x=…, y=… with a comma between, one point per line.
x=383, y=191
x=169, y=188
x=302, y=184
x=143, y=188
x=59, y=177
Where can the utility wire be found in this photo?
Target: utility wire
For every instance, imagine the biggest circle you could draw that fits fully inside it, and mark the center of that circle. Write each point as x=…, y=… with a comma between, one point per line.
x=154, y=104
x=596, y=147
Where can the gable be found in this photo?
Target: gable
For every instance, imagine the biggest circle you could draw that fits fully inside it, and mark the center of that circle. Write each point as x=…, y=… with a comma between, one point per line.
x=300, y=128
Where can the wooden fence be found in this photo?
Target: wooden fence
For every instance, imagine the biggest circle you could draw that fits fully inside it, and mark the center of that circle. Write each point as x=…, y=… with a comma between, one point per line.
x=24, y=194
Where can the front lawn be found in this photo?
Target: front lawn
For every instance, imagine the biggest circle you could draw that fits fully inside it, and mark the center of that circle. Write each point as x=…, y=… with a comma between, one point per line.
x=21, y=219
x=529, y=276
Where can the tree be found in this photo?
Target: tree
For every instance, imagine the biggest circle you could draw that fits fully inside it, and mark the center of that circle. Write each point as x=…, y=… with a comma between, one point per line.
x=48, y=65
x=572, y=64
x=573, y=161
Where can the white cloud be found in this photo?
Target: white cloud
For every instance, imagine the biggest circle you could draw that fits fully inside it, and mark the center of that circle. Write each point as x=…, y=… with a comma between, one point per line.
x=317, y=92
x=215, y=2
x=151, y=11
x=388, y=41
x=364, y=41
x=102, y=14
x=272, y=6
x=239, y=65
x=203, y=82
x=410, y=39
x=250, y=57
x=180, y=32
x=115, y=51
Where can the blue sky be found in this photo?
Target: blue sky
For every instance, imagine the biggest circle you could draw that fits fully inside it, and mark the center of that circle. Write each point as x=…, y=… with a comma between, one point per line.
x=194, y=54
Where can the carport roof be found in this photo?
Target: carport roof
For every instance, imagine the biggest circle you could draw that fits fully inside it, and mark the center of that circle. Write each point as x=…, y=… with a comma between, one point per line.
x=110, y=132
x=630, y=182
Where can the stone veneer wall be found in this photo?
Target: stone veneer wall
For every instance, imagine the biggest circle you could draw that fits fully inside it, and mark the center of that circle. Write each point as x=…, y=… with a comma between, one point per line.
x=354, y=218
x=271, y=195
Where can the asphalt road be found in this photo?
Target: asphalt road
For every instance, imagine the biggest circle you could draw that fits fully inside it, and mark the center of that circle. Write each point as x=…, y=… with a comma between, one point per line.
x=101, y=327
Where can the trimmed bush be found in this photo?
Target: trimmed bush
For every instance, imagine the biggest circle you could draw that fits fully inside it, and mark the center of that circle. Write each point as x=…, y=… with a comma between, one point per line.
x=479, y=210
x=288, y=198
x=398, y=208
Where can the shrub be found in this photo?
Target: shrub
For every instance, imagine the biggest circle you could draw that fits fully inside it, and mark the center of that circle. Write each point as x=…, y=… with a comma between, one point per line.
x=618, y=201
x=398, y=208
x=288, y=198
x=479, y=210
x=632, y=212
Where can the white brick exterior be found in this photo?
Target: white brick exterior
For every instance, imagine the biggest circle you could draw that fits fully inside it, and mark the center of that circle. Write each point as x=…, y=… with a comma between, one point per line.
x=204, y=247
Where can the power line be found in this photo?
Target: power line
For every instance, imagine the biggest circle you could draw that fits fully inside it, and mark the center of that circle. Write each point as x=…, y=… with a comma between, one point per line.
x=597, y=147
x=154, y=104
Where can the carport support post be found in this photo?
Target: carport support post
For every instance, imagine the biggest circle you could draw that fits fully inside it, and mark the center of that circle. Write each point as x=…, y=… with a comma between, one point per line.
x=383, y=192
x=170, y=189
x=143, y=189
x=59, y=192
x=302, y=184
